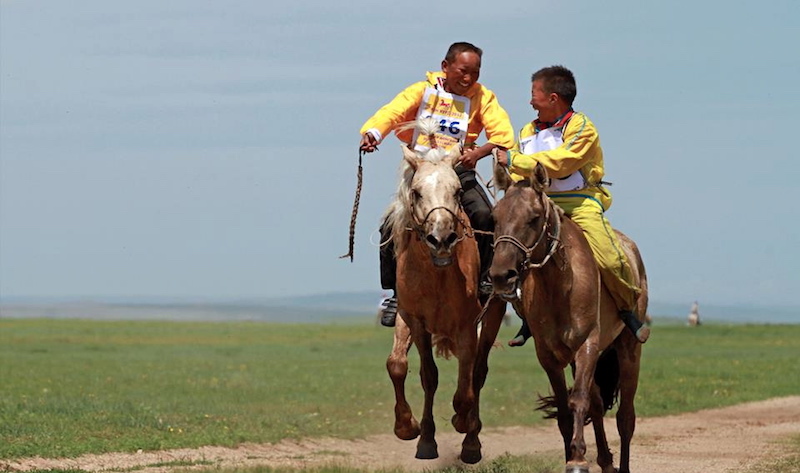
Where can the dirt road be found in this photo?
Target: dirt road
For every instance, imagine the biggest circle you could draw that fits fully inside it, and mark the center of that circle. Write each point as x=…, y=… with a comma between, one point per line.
x=713, y=441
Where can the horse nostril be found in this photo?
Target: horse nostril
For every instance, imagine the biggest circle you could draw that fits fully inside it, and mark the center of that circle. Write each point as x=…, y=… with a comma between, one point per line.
x=508, y=277
x=451, y=238
x=432, y=240
x=511, y=276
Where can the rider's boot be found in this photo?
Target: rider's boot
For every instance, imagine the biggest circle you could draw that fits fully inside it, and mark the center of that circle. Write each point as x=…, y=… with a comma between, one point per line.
x=640, y=330
x=389, y=311
x=522, y=336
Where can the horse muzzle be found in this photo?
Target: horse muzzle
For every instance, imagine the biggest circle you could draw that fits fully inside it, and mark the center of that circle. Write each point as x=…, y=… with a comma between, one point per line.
x=507, y=285
x=441, y=248
x=442, y=261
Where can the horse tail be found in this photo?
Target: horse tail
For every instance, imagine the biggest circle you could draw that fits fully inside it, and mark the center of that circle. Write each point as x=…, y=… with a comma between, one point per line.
x=606, y=376
x=547, y=405
x=445, y=347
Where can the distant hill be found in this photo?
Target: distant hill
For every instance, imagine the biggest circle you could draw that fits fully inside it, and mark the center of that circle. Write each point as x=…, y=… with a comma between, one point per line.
x=314, y=308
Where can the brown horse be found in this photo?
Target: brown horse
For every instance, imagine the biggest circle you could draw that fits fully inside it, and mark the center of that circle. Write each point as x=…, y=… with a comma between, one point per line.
x=544, y=266
x=438, y=303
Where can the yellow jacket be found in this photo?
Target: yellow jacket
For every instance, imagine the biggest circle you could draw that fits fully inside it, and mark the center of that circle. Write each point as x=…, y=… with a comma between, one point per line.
x=485, y=113
x=580, y=151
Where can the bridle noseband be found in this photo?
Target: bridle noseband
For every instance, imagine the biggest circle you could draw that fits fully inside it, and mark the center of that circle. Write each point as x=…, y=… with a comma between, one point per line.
x=527, y=264
x=419, y=226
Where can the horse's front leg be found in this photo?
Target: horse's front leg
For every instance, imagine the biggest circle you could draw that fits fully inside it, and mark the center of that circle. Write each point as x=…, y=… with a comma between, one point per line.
x=465, y=419
x=464, y=397
x=579, y=399
x=429, y=375
x=493, y=318
x=558, y=383
x=406, y=426
x=629, y=352
x=597, y=411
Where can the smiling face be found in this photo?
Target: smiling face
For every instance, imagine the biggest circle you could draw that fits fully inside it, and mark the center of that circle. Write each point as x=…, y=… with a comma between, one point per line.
x=462, y=72
x=543, y=102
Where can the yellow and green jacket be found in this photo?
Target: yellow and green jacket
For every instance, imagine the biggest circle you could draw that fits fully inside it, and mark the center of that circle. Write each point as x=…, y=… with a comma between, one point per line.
x=485, y=113
x=580, y=151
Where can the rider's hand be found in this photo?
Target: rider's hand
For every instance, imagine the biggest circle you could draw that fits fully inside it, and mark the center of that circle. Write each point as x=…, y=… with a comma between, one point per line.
x=502, y=157
x=368, y=143
x=469, y=159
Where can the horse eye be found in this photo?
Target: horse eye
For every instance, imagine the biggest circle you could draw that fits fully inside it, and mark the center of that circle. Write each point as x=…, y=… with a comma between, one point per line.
x=415, y=193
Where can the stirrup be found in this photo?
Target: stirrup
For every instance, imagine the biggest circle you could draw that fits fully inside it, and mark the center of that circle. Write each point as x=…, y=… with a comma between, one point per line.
x=389, y=311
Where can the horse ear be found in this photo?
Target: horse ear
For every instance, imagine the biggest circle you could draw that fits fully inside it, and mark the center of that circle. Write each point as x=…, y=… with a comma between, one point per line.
x=539, y=179
x=410, y=156
x=452, y=157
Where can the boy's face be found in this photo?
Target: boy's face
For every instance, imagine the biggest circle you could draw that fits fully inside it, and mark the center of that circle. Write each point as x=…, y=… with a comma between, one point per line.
x=543, y=102
x=462, y=73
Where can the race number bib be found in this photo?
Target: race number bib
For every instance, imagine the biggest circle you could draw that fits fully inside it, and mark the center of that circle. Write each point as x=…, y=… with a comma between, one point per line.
x=547, y=140
x=452, y=113
x=544, y=140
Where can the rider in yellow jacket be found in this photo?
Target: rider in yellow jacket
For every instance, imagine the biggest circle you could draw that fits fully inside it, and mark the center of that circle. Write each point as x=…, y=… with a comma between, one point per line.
x=485, y=113
x=459, y=77
x=566, y=143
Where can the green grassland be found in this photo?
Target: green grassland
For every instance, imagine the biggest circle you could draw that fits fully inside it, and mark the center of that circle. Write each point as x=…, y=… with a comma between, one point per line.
x=69, y=387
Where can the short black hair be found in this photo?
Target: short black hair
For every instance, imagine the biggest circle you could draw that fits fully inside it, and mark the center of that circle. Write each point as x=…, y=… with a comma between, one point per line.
x=458, y=48
x=559, y=80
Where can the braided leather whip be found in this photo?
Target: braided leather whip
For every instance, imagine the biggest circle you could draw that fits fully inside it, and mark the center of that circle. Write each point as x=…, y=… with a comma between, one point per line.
x=355, y=209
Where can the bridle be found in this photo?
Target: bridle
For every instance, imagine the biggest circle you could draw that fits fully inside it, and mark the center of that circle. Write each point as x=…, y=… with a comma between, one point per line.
x=515, y=296
x=554, y=242
x=418, y=226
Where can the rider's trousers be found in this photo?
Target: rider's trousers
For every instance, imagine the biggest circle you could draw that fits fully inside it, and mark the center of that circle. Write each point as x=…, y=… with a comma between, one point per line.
x=615, y=269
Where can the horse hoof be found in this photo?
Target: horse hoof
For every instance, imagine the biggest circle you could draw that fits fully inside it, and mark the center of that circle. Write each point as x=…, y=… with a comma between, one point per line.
x=407, y=434
x=471, y=457
x=427, y=451
x=577, y=469
x=407, y=431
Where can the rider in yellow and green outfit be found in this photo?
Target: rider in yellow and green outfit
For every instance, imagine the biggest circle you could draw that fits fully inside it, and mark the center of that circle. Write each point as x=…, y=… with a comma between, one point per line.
x=566, y=143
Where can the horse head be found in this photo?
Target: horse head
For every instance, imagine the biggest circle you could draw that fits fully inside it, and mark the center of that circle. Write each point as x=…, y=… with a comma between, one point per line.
x=433, y=196
x=524, y=218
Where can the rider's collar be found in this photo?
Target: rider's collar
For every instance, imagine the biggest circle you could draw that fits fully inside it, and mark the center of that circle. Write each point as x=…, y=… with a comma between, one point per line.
x=559, y=123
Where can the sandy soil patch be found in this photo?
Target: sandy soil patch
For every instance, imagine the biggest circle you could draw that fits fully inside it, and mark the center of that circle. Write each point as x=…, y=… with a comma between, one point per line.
x=711, y=441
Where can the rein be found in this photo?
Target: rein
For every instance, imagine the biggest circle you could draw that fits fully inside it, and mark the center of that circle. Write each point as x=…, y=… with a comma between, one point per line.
x=527, y=264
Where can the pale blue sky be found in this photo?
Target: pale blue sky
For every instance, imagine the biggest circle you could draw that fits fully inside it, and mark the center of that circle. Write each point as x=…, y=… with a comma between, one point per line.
x=209, y=149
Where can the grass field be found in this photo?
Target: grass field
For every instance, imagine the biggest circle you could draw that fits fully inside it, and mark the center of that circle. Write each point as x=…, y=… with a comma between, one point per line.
x=70, y=387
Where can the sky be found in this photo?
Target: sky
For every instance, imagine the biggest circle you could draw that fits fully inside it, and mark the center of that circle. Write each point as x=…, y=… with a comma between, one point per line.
x=208, y=150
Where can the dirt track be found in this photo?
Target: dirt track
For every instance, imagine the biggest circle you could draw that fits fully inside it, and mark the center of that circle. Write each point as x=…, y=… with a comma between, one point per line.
x=712, y=441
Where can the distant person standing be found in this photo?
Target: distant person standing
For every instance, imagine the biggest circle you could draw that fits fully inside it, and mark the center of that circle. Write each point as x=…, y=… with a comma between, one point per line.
x=694, y=315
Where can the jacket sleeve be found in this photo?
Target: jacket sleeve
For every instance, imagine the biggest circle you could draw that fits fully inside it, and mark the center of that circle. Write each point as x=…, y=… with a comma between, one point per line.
x=401, y=109
x=580, y=136
x=496, y=123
